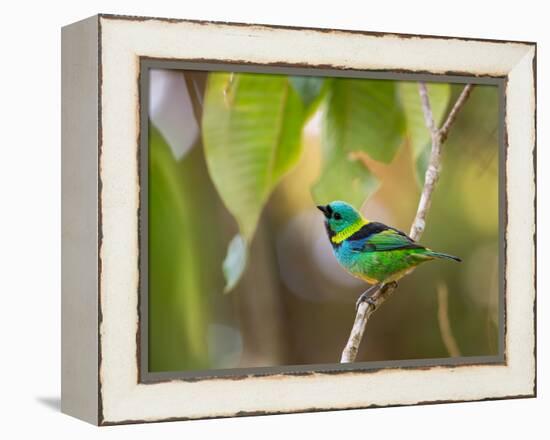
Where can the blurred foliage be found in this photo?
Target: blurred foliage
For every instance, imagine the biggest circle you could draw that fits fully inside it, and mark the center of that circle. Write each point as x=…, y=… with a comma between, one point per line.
x=363, y=115
x=360, y=116
x=311, y=90
x=358, y=182
x=252, y=125
x=178, y=323
x=270, y=143
x=235, y=261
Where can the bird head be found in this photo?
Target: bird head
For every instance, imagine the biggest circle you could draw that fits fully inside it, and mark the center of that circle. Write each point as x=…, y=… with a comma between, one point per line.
x=339, y=215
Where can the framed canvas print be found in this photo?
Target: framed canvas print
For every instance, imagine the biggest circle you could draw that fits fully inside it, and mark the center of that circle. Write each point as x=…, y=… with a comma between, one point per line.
x=263, y=220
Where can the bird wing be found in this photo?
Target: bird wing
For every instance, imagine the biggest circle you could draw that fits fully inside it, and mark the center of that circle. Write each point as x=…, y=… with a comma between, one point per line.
x=385, y=239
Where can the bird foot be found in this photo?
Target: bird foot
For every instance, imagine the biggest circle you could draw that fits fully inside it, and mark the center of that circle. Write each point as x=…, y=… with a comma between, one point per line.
x=368, y=300
x=368, y=296
x=371, y=295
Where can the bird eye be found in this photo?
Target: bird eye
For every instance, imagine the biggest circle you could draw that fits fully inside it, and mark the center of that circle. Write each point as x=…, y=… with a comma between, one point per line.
x=337, y=216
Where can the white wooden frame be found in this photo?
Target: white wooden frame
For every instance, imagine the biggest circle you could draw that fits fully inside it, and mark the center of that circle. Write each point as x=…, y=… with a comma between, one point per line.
x=101, y=194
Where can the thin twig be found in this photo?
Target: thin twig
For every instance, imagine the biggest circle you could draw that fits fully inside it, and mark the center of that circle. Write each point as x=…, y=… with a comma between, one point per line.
x=464, y=95
x=365, y=309
x=444, y=323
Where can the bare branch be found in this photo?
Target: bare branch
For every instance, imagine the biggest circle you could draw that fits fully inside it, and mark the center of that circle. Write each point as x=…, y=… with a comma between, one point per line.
x=464, y=95
x=365, y=309
x=444, y=323
x=434, y=165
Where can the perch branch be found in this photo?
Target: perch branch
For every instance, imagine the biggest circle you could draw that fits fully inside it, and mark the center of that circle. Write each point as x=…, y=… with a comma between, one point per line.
x=366, y=309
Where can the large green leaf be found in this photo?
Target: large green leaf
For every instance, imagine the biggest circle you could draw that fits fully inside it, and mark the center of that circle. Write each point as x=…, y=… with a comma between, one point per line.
x=364, y=115
x=251, y=129
x=181, y=208
x=418, y=133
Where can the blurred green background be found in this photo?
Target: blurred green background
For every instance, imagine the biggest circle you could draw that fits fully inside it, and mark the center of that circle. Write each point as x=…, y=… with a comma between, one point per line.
x=293, y=304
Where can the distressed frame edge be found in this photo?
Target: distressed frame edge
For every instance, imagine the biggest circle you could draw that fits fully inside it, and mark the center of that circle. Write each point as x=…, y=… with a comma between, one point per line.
x=79, y=301
x=530, y=55
x=535, y=195
x=102, y=421
x=125, y=17
x=313, y=410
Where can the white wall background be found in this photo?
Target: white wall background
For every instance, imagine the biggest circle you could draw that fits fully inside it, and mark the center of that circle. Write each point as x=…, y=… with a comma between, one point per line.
x=30, y=217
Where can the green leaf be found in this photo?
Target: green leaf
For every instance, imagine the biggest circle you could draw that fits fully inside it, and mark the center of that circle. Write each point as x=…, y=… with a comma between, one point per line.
x=417, y=131
x=251, y=129
x=311, y=90
x=234, y=262
x=364, y=115
x=344, y=178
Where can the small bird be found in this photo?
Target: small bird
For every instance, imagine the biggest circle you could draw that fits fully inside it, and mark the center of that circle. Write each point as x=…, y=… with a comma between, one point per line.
x=372, y=251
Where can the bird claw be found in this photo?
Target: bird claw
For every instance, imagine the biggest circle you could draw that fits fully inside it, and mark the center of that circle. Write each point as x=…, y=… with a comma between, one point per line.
x=371, y=297
x=368, y=300
x=366, y=297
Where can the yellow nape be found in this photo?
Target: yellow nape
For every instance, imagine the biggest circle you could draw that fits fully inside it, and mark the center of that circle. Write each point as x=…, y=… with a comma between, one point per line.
x=349, y=231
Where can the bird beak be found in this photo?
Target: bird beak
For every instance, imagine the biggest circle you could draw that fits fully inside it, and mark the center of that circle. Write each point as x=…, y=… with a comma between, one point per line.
x=323, y=209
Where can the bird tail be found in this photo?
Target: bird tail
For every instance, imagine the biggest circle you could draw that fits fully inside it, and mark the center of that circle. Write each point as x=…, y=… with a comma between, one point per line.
x=442, y=255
